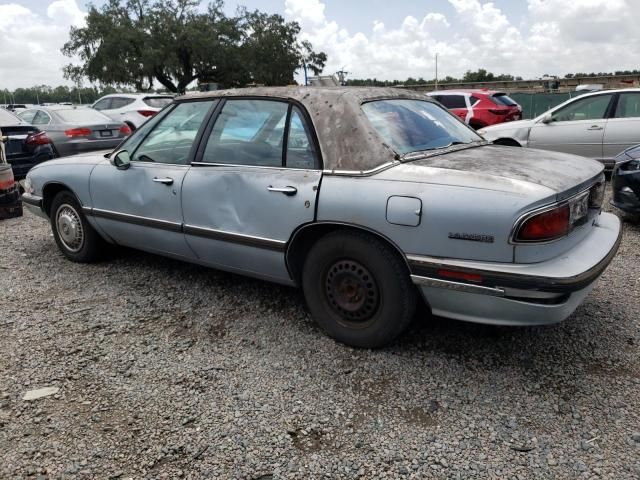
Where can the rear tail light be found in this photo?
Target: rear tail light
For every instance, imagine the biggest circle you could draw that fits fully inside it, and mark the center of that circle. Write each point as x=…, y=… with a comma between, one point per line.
x=7, y=183
x=38, y=139
x=78, y=132
x=596, y=195
x=125, y=129
x=147, y=113
x=497, y=111
x=545, y=226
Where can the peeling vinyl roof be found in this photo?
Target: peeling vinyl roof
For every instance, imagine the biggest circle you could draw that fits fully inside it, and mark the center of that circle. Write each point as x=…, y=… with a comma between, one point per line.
x=348, y=142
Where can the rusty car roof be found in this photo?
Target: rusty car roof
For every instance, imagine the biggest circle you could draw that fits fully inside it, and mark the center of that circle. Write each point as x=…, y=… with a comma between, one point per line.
x=348, y=142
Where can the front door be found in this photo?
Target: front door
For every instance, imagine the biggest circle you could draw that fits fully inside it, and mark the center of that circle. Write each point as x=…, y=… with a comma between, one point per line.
x=576, y=128
x=255, y=181
x=140, y=206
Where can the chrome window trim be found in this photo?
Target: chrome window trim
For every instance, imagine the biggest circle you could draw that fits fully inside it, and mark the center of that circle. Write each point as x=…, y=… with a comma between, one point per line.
x=240, y=165
x=373, y=171
x=140, y=162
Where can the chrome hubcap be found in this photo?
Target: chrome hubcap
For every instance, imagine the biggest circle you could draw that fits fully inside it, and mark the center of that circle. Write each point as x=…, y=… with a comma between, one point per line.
x=69, y=228
x=352, y=291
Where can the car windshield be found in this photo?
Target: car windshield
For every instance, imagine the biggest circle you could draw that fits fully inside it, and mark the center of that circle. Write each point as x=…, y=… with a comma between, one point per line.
x=415, y=125
x=158, y=102
x=8, y=118
x=82, y=115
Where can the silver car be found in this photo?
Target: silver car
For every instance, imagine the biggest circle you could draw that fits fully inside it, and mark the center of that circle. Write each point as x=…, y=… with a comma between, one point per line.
x=597, y=125
x=76, y=130
x=366, y=198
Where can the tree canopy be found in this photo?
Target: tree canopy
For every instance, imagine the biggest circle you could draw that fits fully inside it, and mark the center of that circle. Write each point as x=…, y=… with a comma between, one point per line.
x=172, y=42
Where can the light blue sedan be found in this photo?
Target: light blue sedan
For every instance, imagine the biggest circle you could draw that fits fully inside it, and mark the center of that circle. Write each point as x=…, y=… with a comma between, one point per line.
x=369, y=199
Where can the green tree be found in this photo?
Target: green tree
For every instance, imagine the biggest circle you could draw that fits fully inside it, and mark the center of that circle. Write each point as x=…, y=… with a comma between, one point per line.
x=311, y=60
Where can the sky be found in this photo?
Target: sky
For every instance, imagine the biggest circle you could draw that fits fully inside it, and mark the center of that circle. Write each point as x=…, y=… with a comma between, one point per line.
x=386, y=39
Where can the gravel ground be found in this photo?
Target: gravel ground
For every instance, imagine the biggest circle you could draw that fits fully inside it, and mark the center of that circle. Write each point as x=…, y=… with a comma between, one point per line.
x=168, y=370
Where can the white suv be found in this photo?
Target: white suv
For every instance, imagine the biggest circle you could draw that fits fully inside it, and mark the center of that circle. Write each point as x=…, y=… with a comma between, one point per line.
x=132, y=108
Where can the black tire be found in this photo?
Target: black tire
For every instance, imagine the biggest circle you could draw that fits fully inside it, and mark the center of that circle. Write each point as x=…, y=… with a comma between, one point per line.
x=77, y=240
x=358, y=289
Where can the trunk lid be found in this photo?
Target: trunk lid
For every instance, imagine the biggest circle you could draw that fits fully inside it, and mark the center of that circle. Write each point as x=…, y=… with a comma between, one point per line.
x=511, y=169
x=16, y=143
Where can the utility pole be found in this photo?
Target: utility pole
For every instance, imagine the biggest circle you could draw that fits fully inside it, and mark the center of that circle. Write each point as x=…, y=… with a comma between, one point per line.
x=436, y=71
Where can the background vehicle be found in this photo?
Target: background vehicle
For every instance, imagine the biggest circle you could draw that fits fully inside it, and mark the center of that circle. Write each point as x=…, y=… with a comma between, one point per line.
x=15, y=107
x=596, y=125
x=381, y=196
x=625, y=181
x=10, y=205
x=479, y=108
x=132, y=108
x=77, y=130
x=25, y=145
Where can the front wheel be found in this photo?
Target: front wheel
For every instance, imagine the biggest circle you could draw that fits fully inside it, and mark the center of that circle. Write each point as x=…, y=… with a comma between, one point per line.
x=76, y=239
x=358, y=289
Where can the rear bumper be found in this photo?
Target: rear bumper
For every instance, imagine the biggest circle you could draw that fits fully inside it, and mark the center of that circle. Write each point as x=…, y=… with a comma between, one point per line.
x=519, y=294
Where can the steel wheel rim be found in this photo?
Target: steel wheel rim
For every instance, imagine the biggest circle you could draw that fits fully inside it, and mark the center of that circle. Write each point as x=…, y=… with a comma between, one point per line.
x=352, y=292
x=69, y=228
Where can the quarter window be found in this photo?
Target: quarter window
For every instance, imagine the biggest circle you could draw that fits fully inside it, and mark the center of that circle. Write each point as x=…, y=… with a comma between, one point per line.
x=590, y=108
x=628, y=105
x=28, y=115
x=121, y=102
x=172, y=138
x=248, y=132
x=301, y=152
x=41, y=118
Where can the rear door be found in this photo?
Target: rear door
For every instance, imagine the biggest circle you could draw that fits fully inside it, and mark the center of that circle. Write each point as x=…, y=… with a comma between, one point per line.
x=576, y=128
x=623, y=128
x=255, y=181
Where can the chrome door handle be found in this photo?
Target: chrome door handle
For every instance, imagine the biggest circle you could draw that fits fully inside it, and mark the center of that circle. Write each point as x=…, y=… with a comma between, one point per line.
x=595, y=127
x=165, y=181
x=286, y=190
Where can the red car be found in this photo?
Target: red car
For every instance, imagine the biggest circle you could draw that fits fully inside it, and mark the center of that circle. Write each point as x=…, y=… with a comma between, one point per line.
x=479, y=108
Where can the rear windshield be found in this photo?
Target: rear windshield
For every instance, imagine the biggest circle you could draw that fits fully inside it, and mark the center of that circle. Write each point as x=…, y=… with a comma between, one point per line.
x=157, y=102
x=8, y=118
x=82, y=115
x=503, y=99
x=415, y=125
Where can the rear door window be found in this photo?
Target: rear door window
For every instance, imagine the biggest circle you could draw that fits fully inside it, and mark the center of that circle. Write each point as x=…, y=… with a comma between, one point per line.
x=104, y=104
x=28, y=115
x=628, y=106
x=301, y=152
x=453, y=101
x=41, y=118
x=121, y=102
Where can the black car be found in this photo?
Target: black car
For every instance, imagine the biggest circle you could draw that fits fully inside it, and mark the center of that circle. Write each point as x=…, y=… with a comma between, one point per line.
x=625, y=181
x=24, y=144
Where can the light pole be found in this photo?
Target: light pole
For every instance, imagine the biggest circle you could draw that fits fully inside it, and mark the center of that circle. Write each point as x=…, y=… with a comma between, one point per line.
x=436, y=71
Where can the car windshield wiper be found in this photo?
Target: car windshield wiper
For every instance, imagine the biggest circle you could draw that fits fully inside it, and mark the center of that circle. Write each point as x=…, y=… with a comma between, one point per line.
x=426, y=151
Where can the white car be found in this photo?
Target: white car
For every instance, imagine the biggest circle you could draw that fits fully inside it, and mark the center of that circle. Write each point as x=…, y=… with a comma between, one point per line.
x=596, y=125
x=132, y=108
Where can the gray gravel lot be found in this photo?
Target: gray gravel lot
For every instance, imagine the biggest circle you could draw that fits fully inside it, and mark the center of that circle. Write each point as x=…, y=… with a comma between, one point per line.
x=169, y=370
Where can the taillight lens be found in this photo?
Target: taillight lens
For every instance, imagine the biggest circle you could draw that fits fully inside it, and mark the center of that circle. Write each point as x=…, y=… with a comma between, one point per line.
x=78, y=132
x=7, y=183
x=545, y=226
x=596, y=195
x=125, y=129
x=38, y=139
x=147, y=113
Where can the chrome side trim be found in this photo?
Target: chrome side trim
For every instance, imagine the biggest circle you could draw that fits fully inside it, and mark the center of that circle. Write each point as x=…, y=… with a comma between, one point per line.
x=240, y=238
x=362, y=173
x=134, y=219
x=458, y=286
x=261, y=167
x=33, y=200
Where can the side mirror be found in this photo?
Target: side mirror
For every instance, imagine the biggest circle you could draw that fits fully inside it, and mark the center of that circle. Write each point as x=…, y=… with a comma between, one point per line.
x=548, y=118
x=121, y=160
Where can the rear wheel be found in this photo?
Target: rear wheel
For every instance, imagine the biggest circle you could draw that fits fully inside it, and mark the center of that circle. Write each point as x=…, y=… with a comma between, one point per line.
x=358, y=289
x=76, y=239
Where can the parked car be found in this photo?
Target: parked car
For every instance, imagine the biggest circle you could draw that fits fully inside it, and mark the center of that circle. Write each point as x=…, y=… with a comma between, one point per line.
x=15, y=107
x=76, y=129
x=383, y=196
x=625, y=181
x=10, y=204
x=479, y=108
x=25, y=145
x=596, y=125
x=132, y=108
